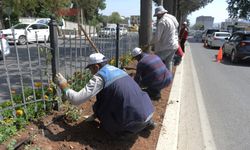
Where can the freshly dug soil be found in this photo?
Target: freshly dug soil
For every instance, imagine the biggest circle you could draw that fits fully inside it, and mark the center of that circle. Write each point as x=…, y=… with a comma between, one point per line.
x=82, y=135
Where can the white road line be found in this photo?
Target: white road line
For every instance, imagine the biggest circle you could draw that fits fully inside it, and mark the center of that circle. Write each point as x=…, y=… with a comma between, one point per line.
x=205, y=125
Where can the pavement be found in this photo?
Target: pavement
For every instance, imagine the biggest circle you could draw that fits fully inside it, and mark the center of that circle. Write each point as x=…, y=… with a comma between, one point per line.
x=168, y=138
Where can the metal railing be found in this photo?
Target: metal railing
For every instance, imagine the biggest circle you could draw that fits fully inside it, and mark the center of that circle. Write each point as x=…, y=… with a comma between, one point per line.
x=26, y=74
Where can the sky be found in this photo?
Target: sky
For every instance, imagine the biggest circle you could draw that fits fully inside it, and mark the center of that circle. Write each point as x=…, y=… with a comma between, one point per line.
x=216, y=9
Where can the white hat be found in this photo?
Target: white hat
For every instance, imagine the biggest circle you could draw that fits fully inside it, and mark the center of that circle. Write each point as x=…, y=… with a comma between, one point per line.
x=185, y=23
x=160, y=10
x=96, y=58
x=136, y=51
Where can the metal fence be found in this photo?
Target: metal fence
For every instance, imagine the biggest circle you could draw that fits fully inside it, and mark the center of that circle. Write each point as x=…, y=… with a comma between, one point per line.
x=26, y=73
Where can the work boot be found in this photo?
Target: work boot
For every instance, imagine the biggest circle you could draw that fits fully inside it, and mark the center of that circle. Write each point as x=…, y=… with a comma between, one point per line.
x=151, y=125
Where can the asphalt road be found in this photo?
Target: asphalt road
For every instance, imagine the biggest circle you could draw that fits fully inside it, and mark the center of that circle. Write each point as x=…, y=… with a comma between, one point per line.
x=221, y=99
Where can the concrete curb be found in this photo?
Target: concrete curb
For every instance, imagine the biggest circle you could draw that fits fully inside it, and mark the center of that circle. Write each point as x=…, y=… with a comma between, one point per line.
x=168, y=138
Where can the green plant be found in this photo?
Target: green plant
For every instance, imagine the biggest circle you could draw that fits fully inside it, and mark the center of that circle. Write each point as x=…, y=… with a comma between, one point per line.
x=79, y=80
x=7, y=129
x=124, y=60
x=72, y=114
x=11, y=145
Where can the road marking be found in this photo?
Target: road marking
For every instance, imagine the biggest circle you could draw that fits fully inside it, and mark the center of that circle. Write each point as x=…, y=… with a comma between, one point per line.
x=205, y=125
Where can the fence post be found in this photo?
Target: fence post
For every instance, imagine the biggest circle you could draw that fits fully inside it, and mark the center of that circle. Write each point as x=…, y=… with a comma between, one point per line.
x=117, y=45
x=54, y=46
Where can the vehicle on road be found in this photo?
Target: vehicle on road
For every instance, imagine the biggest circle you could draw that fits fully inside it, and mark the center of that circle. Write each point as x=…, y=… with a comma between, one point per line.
x=107, y=32
x=4, y=47
x=217, y=39
x=237, y=46
x=123, y=31
x=198, y=35
x=26, y=32
x=207, y=33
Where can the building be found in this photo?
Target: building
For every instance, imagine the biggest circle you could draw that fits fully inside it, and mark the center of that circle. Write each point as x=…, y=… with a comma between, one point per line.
x=206, y=21
x=233, y=25
x=134, y=20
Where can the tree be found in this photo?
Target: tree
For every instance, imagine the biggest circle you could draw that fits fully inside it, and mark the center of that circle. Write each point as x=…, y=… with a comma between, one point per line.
x=89, y=9
x=185, y=7
x=239, y=8
x=115, y=18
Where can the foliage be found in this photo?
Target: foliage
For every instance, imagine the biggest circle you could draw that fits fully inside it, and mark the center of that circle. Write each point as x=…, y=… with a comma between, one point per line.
x=188, y=6
x=89, y=10
x=72, y=114
x=45, y=8
x=115, y=18
x=239, y=8
x=198, y=27
x=7, y=129
x=12, y=144
x=79, y=79
x=124, y=60
x=17, y=113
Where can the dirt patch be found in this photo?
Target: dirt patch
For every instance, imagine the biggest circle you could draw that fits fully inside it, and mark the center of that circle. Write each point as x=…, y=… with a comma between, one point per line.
x=81, y=135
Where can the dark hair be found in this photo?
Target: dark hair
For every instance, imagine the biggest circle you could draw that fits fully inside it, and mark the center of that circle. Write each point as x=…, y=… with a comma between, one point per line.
x=102, y=64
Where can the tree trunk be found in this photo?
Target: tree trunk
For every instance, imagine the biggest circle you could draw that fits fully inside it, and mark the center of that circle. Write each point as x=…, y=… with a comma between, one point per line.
x=145, y=29
x=1, y=14
x=159, y=2
x=169, y=6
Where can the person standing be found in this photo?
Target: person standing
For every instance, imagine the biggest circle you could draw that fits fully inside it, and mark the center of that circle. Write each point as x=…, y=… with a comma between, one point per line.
x=183, y=35
x=121, y=106
x=151, y=73
x=165, y=39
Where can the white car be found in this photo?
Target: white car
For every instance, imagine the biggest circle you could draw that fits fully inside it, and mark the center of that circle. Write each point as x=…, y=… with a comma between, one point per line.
x=123, y=31
x=217, y=39
x=4, y=47
x=26, y=32
x=107, y=32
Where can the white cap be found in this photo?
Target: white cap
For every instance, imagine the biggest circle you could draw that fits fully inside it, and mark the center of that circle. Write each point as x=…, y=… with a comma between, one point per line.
x=160, y=10
x=185, y=23
x=96, y=58
x=136, y=51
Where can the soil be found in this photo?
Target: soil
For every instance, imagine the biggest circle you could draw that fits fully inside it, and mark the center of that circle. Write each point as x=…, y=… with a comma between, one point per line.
x=83, y=135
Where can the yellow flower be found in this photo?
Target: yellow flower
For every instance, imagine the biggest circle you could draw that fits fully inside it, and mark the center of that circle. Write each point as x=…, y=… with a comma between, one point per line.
x=46, y=97
x=19, y=112
x=50, y=90
x=38, y=84
x=8, y=120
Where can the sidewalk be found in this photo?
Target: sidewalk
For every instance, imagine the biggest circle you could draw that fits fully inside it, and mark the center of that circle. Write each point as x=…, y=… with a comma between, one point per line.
x=168, y=138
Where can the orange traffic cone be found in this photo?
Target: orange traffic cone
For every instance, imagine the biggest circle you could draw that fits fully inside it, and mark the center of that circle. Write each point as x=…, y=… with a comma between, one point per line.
x=219, y=55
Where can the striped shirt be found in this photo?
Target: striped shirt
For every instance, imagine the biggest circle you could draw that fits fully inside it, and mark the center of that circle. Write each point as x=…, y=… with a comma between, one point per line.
x=152, y=72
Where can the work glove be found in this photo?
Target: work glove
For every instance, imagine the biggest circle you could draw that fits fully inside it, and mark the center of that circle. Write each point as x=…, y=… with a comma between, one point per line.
x=62, y=82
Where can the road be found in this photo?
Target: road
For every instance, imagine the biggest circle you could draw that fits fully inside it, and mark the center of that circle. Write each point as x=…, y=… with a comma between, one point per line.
x=215, y=102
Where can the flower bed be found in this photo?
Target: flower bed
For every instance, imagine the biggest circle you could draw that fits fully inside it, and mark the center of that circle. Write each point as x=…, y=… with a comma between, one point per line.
x=66, y=129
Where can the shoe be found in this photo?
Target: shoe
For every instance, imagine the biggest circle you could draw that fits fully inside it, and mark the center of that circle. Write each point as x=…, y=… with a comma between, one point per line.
x=155, y=97
x=151, y=125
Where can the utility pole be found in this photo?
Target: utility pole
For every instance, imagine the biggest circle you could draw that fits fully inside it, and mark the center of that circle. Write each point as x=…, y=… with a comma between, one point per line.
x=145, y=28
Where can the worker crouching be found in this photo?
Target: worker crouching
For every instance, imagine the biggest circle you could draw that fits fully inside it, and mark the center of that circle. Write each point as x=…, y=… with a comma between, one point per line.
x=121, y=106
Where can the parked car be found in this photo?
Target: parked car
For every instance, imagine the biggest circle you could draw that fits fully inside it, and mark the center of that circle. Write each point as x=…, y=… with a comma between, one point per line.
x=237, y=46
x=107, y=32
x=207, y=33
x=217, y=39
x=26, y=32
x=198, y=35
x=4, y=47
x=123, y=31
